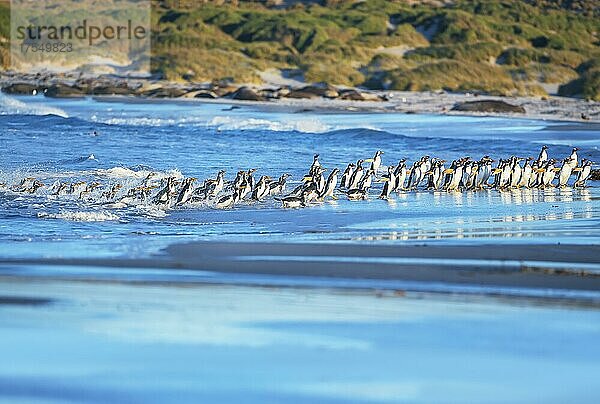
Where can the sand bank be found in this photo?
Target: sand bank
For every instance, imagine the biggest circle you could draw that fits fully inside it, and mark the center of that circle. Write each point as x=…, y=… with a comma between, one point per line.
x=561, y=267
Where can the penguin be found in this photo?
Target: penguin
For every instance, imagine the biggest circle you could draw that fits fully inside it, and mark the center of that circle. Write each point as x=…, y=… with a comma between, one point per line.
x=111, y=193
x=574, y=158
x=330, y=185
x=456, y=176
x=319, y=179
x=390, y=182
x=278, y=187
x=565, y=172
x=34, y=187
x=187, y=189
x=516, y=173
x=217, y=185
x=413, y=172
x=584, y=173
x=345, y=181
x=315, y=165
x=365, y=182
x=400, y=174
x=261, y=190
x=293, y=202
x=61, y=188
x=376, y=161
x=526, y=173
x=357, y=194
x=436, y=175
x=76, y=187
x=90, y=187
x=543, y=157
x=484, y=172
x=250, y=178
x=228, y=201
x=164, y=195
x=356, y=175
x=549, y=173
x=25, y=184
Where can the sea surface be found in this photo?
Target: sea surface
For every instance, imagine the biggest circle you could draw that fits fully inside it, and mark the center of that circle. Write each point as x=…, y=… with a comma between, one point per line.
x=54, y=140
x=97, y=334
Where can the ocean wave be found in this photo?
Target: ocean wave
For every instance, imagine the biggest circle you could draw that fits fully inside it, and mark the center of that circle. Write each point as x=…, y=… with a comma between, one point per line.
x=81, y=216
x=12, y=106
x=310, y=125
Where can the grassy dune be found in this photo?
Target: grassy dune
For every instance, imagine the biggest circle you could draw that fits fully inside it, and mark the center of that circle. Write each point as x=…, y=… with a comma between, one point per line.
x=506, y=47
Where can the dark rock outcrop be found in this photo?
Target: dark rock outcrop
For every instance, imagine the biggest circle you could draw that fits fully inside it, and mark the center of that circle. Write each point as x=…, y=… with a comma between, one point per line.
x=21, y=89
x=488, y=106
x=116, y=89
x=595, y=175
x=247, y=94
x=64, y=91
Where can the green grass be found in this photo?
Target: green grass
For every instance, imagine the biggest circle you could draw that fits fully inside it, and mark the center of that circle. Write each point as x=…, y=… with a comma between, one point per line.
x=499, y=47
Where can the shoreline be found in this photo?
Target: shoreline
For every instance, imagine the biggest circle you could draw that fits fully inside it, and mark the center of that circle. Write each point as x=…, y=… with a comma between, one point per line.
x=310, y=98
x=529, y=270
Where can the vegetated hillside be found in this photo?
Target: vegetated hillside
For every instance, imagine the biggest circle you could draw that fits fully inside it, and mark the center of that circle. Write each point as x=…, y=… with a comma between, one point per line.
x=498, y=47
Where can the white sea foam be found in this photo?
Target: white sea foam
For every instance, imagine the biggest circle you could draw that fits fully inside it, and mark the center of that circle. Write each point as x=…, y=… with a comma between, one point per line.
x=81, y=216
x=12, y=106
x=310, y=125
x=307, y=125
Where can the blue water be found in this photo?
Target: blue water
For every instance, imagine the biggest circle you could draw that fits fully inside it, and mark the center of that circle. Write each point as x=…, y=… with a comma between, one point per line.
x=53, y=139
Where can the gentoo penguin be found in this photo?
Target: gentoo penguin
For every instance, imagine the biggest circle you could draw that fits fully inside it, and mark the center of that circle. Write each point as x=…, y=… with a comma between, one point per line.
x=187, y=189
x=250, y=178
x=436, y=175
x=484, y=172
x=527, y=172
x=565, y=172
x=62, y=188
x=291, y=202
x=415, y=175
x=400, y=174
x=319, y=179
x=357, y=194
x=164, y=195
x=390, y=181
x=549, y=174
x=376, y=161
x=574, y=159
x=315, y=165
x=516, y=172
x=88, y=189
x=357, y=175
x=543, y=155
x=584, y=173
x=330, y=185
x=217, y=185
x=37, y=184
x=25, y=183
x=228, y=201
x=365, y=182
x=261, y=190
x=456, y=176
x=278, y=187
x=345, y=181
x=111, y=193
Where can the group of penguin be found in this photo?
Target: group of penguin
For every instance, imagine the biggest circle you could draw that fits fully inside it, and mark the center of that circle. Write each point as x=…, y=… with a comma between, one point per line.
x=356, y=182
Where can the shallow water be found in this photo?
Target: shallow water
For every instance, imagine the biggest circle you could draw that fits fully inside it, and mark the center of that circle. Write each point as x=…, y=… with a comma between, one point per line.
x=112, y=342
x=53, y=140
